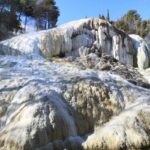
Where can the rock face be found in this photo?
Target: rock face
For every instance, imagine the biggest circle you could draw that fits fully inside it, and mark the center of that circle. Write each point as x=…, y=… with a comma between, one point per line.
x=80, y=99
x=94, y=34
x=142, y=53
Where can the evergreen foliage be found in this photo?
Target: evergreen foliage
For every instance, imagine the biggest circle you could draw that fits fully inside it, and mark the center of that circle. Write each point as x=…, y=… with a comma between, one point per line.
x=132, y=23
x=45, y=13
x=108, y=16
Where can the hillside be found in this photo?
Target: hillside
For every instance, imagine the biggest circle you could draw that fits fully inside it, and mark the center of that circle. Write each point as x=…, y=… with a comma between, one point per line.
x=83, y=85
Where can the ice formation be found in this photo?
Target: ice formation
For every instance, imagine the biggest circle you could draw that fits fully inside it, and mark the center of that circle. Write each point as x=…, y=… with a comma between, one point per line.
x=56, y=104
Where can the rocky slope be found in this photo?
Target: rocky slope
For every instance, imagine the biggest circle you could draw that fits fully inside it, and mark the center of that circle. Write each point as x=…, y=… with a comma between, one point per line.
x=81, y=96
x=80, y=38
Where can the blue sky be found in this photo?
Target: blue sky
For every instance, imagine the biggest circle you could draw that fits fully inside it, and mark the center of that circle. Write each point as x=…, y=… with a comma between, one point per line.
x=76, y=9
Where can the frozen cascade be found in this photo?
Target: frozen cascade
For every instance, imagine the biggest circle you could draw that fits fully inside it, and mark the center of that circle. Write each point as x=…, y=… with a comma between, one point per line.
x=56, y=104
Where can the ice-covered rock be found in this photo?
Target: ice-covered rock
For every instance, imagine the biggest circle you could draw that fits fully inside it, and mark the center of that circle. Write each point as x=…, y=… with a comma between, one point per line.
x=72, y=102
x=146, y=74
x=69, y=38
x=147, y=38
x=89, y=33
x=142, y=53
x=48, y=105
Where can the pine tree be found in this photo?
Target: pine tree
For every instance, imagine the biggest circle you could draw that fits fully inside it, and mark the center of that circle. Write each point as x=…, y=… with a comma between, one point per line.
x=108, y=16
x=46, y=14
x=8, y=18
x=132, y=23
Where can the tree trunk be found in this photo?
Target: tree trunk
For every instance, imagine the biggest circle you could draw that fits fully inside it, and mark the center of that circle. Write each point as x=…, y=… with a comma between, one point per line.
x=2, y=8
x=19, y=17
x=37, y=24
x=25, y=23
